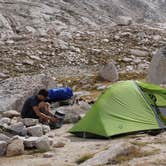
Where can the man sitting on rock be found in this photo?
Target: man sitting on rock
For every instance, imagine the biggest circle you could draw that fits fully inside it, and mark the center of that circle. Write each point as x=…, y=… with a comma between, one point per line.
x=35, y=107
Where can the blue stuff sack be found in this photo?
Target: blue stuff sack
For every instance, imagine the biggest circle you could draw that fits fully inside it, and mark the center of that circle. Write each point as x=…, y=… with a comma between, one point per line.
x=57, y=94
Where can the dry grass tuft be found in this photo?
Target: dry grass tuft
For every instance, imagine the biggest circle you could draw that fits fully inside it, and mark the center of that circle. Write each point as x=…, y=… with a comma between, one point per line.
x=84, y=158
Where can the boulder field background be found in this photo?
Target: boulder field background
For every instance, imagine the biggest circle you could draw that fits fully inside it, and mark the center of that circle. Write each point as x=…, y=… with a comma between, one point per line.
x=86, y=45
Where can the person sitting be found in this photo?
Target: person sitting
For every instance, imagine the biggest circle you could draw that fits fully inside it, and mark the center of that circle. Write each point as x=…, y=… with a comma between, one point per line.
x=35, y=107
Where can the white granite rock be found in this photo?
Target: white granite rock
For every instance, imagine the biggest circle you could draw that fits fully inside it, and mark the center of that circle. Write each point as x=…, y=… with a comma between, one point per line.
x=124, y=20
x=14, y=120
x=30, y=142
x=46, y=129
x=138, y=52
x=19, y=128
x=16, y=147
x=109, y=73
x=43, y=143
x=35, y=130
x=48, y=155
x=30, y=122
x=11, y=113
x=108, y=156
x=3, y=137
x=157, y=69
x=5, y=120
x=3, y=146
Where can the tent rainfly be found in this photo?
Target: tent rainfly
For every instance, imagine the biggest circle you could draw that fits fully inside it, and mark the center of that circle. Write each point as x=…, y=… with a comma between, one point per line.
x=124, y=107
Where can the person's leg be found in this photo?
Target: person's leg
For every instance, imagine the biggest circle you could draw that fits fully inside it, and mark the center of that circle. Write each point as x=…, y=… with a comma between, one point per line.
x=45, y=108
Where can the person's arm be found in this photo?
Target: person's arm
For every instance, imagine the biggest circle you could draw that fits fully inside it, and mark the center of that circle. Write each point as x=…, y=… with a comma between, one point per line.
x=46, y=107
x=42, y=115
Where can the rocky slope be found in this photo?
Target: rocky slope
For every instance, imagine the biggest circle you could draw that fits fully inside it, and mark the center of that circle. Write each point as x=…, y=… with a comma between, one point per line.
x=23, y=16
x=38, y=35
x=130, y=47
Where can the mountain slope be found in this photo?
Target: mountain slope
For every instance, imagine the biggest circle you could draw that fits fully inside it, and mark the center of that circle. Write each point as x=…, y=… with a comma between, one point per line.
x=22, y=16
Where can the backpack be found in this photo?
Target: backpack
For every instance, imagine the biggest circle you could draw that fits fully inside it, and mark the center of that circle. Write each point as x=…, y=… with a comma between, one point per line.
x=58, y=94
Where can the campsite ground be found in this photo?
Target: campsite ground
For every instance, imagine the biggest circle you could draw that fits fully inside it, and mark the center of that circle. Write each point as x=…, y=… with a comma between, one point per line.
x=151, y=150
x=73, y=150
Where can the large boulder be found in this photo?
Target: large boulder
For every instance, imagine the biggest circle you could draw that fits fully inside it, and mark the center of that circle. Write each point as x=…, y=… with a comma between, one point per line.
x=109, y=73
x=157, y=69
x=14, y=91
x=124, y=20
x=72, y=113
x=108, y=156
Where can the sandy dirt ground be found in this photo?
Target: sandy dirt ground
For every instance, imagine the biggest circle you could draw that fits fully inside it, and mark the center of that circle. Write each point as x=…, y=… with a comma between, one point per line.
x=73, y=150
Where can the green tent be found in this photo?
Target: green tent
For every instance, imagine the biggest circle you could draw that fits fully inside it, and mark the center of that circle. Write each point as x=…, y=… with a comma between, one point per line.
x=124, y=107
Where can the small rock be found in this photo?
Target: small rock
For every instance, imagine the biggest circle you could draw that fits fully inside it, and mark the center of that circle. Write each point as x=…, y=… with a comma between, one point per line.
x=59, y=145
x=2, y=75
x=30, y=122
x=127, y=59
x=30, y=142
x=163, y=85
x=117, y=37
x=46, y=129
x=84, y=106
x=9, y=42
x=16, y=147
x=139, y=52
x=81, y=93
x=14, y=120
x=35, y=57
x=101, y=87
x=19, y=128
x=156, y=37
x=51, y=135
x=28, y=62
x=105, y=40
x=35, y=130
x=124, y=20
x=30, y=29
x=43, y=143
x=5, y=120
x=143, y=66
x=3, y=137
x=3, y=146
x=48, y=155
x=51, y=140
x=136, y=60
x=129, y=68
x=11, y=113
